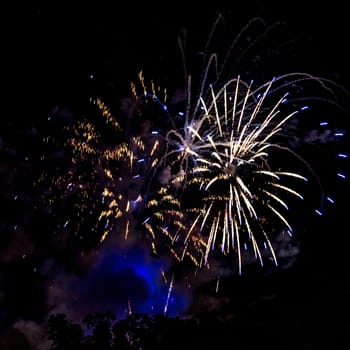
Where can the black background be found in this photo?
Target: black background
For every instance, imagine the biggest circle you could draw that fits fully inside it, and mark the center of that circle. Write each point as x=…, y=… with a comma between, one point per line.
x=50, y=50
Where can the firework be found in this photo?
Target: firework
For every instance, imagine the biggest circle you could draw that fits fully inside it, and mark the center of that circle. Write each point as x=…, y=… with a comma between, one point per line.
x=216, y=170
x=229, y=181
x=234, y=167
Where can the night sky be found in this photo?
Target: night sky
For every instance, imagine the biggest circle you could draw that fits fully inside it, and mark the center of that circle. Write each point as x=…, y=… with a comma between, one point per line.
x=51, y=257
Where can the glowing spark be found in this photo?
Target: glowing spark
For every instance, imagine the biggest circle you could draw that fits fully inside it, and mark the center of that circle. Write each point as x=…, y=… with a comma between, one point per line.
x=168, y=295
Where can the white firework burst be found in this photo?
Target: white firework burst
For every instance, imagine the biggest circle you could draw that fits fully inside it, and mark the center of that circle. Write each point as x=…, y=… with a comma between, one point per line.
x=233, y=168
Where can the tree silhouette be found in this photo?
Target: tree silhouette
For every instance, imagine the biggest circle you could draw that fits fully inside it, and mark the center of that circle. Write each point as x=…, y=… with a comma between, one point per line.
x=100, y=326
x=64, y=334
x=138, y=331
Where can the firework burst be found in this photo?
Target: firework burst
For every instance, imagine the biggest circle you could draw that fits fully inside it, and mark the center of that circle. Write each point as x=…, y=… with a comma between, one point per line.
x=89, y=181
x=233, y=168
x=220, y=175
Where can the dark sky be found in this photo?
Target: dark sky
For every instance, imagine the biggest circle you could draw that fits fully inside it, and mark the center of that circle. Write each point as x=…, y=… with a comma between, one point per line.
x=52, y=47
x=50, y=54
